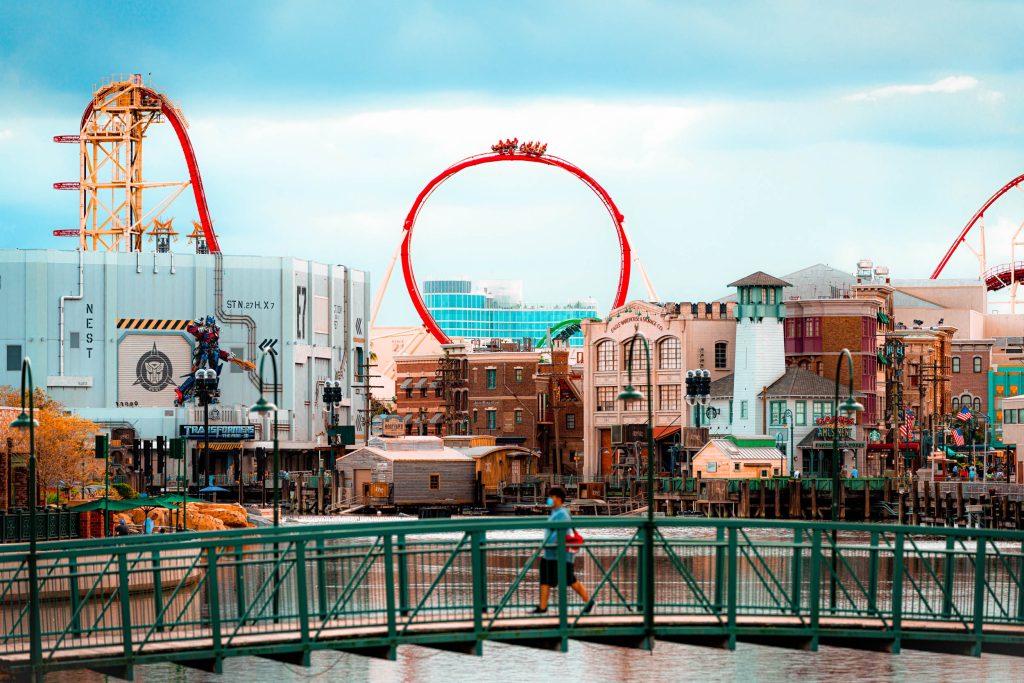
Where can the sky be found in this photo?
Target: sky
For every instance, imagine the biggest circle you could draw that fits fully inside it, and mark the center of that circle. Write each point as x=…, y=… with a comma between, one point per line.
x=733, y=137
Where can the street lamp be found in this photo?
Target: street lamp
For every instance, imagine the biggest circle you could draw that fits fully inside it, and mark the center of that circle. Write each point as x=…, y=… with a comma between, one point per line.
x=787, y=415
x=630, y=393
x=850, y=406
x=26, y=420
x=262, y=407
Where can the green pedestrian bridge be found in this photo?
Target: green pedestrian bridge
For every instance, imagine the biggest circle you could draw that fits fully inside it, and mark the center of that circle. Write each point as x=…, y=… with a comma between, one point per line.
x=368, y=588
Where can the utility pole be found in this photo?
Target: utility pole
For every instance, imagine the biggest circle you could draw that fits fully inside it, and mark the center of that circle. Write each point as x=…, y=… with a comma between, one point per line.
x=365, y=375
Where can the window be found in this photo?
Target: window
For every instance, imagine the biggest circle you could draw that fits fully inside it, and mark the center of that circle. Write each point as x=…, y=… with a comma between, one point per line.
x=1009, y=417
x=736, y=467
x=668, y=396
x=977, y=363
x=238, y=351
x=492, y=418
x=639, y=357
x=721, y=355
x=13, y=357
x=669, y=354
x=820, y=409
x=75, y=340
x=408, y=392
x=606, y=398
x=360, y=365
x=956, y=363
x=777, y=410
x=437, y=391
x=743, y=410
x=956, y=405
x=730, y=411
x=434, y=482
x=570, y=420
x=819, y=368
x=764, y=474
x=492, y=378
x=474, y=415
x=519, y=416
x=519, y=374
x=423, y=392
x=977, y=405
x=635, y=405
x=800, y=414
x=606, y=358
x=712, y=467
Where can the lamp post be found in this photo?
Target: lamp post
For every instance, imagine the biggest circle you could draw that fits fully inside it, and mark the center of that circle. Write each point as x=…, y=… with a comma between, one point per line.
x=262, y=407
x=850, y=406
x=631, y=394
x=26, y=420
x=698, y=391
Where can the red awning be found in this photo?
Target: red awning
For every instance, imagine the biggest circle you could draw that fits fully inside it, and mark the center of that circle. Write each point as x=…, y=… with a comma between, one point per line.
x=887, y=447
x=662, y=432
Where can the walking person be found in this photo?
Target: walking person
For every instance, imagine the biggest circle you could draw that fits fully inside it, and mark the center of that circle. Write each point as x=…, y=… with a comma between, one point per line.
x=549, y=561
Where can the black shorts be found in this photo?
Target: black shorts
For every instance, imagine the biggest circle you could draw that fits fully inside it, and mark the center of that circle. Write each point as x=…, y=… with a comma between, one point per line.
x=549, y=573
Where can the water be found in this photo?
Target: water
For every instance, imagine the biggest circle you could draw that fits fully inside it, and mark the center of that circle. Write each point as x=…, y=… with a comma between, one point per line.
x=590, y=662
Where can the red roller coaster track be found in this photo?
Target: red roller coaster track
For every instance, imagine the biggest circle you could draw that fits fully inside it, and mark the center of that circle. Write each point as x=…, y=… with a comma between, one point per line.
x=196, y=180
x=625, y=251
x=995, y=278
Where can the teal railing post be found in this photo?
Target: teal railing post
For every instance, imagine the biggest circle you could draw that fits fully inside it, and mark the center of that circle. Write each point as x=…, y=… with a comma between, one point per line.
x=403, y=576
x=76, y=618
x=563, y=592
x=124, y=597
x=719, y=567
x=1020, y=584
x=212, y=587
x=321, y=579
x=979, y=594
x=389, y=590
x=302, y=595
x=158, y=590
x=814, y=590
x=796, y=570
x=733, y=567
x=949, y=566
x=240, y=593
x=897, y=592
x=873, y=574
x=479, y=585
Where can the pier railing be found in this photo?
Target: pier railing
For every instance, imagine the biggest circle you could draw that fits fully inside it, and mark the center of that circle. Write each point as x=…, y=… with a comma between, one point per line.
x=198, y=598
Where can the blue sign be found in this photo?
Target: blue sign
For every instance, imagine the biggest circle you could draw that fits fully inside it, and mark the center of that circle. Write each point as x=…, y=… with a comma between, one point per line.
x=220, y=432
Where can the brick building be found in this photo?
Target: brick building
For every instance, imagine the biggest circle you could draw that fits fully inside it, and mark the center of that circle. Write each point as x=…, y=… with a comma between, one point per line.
x=560, y=409
x=431, y=392
x=970, y=362
x=502, y=398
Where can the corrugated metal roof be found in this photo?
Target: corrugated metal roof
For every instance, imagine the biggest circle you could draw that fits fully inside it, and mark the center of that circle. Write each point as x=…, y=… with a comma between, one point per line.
x=480, y=451
x=759, y=453
x=435, y=455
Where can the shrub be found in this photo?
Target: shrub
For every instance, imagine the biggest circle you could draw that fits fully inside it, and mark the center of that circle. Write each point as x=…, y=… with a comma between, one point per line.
x=125, y=491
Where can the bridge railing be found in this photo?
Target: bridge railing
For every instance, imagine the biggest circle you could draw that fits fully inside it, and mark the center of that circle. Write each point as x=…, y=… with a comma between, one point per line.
x=374, y=586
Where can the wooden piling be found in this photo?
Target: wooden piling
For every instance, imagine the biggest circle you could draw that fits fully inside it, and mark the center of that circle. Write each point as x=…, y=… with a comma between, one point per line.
x=760, y=499
x=960, y=512
x=867, y=501
x=814, y=498
x=927, y=500
x=915, y=506
x=777, y=510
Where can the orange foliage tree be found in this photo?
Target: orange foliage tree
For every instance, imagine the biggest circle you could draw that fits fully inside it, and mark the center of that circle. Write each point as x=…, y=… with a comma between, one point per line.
x=64, y=441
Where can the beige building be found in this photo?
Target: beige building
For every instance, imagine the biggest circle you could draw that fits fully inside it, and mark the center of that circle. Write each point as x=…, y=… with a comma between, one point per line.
x=1012, y=416
x=740, y=457
x=682, y=336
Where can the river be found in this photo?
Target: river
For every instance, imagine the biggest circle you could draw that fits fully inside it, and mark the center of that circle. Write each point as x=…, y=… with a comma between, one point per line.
x=590, y=662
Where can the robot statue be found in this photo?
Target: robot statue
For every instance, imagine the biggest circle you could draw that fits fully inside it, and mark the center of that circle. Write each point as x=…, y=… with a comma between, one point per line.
x=206, y=355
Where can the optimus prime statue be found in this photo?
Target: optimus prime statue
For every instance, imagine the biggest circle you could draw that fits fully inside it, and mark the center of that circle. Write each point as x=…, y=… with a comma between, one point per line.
x=207, y=354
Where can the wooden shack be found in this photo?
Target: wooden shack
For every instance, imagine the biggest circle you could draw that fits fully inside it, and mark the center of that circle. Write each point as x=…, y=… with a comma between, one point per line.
x=500, y=466
x=739, y=457
x=418, y=471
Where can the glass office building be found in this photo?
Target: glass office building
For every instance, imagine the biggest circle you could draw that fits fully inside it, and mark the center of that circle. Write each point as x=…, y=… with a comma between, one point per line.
x=494, y=309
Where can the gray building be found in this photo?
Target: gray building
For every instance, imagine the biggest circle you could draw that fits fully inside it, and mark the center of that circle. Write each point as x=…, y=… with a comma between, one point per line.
x=106, y=335
x=416, y=470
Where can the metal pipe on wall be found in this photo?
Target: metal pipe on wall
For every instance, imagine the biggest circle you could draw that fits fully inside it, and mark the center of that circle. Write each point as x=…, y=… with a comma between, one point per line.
x=70, y=297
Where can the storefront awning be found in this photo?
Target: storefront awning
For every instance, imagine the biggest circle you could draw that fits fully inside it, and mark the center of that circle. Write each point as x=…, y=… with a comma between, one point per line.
x=882, y=317
x=406, y=383
x=421, y=382
x=407, y=419
x=437, y=418
x=663, y=432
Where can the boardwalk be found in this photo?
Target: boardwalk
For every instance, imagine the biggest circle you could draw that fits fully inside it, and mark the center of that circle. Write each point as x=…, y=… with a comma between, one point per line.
x=196, y=599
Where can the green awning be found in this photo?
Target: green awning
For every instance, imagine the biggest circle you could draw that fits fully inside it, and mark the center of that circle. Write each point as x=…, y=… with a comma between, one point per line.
x=882, y=317
x=121, y=505
x=175, y=499
x=882, y=360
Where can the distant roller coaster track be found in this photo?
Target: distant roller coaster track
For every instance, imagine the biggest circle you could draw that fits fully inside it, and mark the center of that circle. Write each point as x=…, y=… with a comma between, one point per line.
x=168, y=110
x=625, y=250
x=999, y=276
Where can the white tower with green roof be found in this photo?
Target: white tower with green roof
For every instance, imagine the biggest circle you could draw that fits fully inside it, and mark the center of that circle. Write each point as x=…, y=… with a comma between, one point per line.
x=760, y=347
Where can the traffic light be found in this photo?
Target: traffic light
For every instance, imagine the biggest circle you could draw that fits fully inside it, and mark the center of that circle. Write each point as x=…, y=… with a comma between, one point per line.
x=332, y=391
x=136, y=455
x=691, y=390
x=705, y=383
x=161, y=454
x=102, y=444
x=147, y=458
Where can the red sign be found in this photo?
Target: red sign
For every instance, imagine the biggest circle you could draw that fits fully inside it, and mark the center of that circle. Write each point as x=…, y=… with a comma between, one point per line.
x=67, y=139
x=67, y=185
x=65, y=233
x=842, y=420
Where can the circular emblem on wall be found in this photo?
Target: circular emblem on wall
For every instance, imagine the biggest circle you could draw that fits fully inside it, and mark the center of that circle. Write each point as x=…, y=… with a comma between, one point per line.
x=154, y=371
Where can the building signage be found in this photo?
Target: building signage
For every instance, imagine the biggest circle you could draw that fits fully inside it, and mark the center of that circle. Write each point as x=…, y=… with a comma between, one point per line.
x=637, y=318
x=393, y=425
x=149, y=366
x=220, y=432
x=827, y=425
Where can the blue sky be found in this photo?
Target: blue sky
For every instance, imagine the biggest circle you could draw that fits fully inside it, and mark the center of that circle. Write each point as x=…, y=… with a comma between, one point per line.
x=733, y=136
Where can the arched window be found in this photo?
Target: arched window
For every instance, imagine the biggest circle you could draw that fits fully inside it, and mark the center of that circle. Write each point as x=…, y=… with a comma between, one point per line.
x=956, y=404
x=607, y=359
x=669, y=353
x=639, y=357
x=721, y=355
x=977, y=405
x=977, y=363
x=956, y=363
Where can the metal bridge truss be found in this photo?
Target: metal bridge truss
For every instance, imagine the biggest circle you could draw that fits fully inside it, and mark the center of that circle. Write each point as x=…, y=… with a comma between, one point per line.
x=196, y=599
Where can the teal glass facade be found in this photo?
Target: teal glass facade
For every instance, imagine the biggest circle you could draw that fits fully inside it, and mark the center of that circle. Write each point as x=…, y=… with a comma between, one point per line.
x=461, y=310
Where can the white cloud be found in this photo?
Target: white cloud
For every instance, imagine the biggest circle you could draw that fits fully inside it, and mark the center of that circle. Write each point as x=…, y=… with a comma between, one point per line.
x=950, y=84
x=6, y=133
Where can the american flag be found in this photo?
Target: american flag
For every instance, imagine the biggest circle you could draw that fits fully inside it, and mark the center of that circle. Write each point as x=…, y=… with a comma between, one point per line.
x=958, y=437
x=965, y=414
x=908, y=423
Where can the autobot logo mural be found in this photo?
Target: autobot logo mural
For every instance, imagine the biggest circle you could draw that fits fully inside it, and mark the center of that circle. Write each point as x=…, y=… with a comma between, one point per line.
x=154, y=371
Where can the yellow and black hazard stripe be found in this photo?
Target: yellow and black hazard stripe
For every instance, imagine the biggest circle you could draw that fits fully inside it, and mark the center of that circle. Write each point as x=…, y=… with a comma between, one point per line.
x=151, y=324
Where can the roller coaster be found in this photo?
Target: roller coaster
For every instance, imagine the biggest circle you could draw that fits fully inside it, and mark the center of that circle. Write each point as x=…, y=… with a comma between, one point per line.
x=113, y=128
